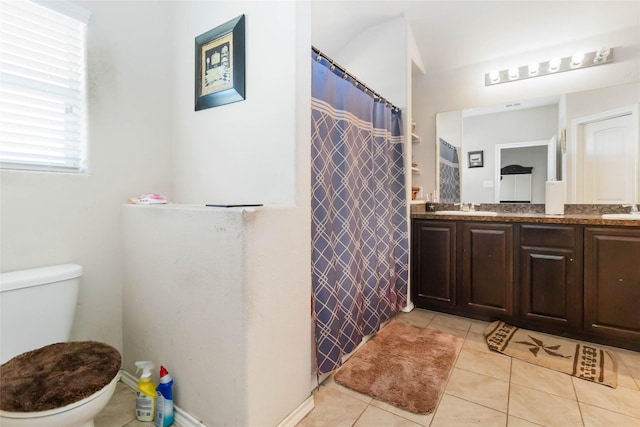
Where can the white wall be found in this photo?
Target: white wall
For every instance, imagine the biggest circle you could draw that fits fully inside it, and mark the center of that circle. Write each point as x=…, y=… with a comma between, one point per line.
x=461, y=88
x=450, y=127
x=485, y=131
x=216, y=296
x=379, y=57
x=51, y=218
x=243, y=152
x=251, y=285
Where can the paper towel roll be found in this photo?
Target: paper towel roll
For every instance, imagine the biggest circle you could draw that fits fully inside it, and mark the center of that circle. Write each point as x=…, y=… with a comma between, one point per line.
x=554, y=197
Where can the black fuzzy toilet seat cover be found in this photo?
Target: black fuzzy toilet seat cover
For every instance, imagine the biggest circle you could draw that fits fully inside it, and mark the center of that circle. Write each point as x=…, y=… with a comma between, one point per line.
x=57, y=375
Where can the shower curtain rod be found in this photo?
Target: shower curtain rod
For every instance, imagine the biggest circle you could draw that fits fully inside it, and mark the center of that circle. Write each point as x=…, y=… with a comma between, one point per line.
x=346, y=74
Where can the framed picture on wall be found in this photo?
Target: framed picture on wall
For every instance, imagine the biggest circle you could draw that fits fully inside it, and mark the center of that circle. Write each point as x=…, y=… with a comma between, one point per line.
x=220, y=65
x=476, y=159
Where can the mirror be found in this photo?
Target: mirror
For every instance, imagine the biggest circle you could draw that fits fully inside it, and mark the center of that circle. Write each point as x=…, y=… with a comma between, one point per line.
x=587, y=139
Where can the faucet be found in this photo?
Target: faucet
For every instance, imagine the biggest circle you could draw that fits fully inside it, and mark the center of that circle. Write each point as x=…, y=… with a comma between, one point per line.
x=634, y=209
x=467, y=206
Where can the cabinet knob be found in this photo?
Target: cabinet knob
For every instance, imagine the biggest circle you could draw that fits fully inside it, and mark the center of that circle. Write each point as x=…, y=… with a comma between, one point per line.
x=570, y=259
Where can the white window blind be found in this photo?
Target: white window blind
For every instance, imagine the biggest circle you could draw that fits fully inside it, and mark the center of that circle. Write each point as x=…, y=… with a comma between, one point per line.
x=42, y=89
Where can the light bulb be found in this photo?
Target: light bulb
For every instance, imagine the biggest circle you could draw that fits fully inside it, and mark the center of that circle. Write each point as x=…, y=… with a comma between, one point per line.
x=533, y=69
x=576, y=60
x=494, y=76
x=554, y=65
x=514, y=73
x=602, y=55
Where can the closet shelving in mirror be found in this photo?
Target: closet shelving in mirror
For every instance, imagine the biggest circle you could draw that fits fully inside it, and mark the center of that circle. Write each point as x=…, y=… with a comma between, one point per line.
x=414, y=139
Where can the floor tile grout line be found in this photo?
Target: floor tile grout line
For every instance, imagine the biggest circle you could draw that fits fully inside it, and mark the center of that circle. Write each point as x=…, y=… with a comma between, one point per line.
x=361, y=413
x=546, y=392
x=484, y=375
x=509, y=388
x=608, y=409
x=435, y=411
x=476, y=403
x=524, y=419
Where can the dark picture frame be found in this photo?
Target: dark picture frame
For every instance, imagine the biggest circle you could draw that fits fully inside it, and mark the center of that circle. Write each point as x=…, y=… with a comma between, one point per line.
x=220, y=65
x=476, y=159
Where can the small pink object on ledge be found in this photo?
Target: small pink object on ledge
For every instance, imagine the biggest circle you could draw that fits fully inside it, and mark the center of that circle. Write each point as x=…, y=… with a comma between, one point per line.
x=148, y=199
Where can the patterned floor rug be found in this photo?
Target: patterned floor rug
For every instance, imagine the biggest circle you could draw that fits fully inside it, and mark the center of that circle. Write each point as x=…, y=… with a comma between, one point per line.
x=579, y=359
x=403, y=365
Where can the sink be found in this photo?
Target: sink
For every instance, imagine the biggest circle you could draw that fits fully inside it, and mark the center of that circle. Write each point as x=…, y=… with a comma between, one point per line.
x=467, y=213
x=621, y=216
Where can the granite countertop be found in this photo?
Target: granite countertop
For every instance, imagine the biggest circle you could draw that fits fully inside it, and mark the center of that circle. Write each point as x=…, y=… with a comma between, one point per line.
x=574, y=214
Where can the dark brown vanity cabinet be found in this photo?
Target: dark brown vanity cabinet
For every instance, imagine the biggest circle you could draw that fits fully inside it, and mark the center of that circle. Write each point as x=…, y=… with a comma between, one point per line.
x=577, y=280
x=487, y=269
x=433, y=252
x=550, y=276
x=612, y=284
x=463, y=267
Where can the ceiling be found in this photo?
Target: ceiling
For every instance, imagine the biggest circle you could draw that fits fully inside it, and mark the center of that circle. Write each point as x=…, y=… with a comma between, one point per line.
x=452, y=34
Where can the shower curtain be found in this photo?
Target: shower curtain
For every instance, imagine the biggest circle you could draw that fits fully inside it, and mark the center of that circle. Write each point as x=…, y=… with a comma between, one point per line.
x=449, y=173
x=359, y=213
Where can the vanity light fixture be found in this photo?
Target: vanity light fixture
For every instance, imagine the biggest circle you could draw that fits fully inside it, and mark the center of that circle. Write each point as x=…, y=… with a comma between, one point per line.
x=553, y=66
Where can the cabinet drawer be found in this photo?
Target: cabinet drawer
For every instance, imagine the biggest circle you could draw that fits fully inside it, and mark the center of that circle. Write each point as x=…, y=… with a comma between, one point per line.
x=557, y=236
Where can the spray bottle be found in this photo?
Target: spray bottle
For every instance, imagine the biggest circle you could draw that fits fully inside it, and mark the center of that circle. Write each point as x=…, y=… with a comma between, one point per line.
x=146, y=394
x=164, y=400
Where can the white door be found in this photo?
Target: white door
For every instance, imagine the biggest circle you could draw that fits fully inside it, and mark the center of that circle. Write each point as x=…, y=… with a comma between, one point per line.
x=610, y=157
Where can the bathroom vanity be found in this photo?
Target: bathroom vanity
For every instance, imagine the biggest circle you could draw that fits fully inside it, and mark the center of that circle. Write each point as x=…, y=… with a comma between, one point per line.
x=571, y=275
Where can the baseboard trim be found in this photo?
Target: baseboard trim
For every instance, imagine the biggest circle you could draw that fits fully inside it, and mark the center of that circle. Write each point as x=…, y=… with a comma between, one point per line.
x=408, y=308
x=182, y=417
x=298, y=414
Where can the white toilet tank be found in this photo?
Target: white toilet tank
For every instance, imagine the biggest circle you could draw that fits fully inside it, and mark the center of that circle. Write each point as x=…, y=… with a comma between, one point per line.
x=37, y=307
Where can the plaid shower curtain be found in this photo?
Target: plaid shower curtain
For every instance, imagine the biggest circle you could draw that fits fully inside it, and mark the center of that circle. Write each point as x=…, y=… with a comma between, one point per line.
x=359, y=214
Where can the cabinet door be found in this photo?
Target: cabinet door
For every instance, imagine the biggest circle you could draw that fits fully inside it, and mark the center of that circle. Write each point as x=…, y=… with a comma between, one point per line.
x=612, y=283
x=550, y=276
x=433, y=264
x=487, y=269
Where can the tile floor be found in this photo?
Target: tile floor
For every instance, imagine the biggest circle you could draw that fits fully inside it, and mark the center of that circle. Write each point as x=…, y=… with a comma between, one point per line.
x=485, y=389
x=489, y=389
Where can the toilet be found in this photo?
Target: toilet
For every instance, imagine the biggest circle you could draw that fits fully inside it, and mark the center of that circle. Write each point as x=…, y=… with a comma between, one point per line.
x=75, y=379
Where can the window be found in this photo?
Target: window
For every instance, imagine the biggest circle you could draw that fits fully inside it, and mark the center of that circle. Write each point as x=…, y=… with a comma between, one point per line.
x=42, y=86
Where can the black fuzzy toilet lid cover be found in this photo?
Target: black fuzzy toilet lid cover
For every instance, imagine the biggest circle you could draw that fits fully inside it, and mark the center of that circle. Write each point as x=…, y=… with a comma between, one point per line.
x=57, y=375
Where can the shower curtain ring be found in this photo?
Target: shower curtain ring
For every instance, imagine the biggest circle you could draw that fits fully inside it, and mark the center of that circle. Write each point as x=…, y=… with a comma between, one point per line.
x=319, y=58
x=333, y=67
